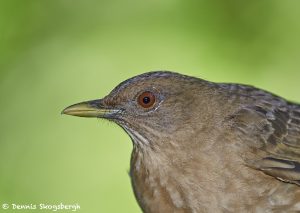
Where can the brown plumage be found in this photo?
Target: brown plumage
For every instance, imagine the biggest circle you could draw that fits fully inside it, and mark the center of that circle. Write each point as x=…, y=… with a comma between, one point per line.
x=205, y=147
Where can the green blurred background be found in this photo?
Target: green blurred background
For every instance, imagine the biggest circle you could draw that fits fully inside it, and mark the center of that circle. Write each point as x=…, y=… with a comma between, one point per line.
x=56, y=53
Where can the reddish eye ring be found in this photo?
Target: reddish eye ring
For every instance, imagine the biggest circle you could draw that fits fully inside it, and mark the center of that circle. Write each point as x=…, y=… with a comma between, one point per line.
x=146, y=99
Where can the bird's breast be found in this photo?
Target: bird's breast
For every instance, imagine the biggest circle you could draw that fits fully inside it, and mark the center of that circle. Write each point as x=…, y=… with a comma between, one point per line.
x=160, y=186
x=154, y=189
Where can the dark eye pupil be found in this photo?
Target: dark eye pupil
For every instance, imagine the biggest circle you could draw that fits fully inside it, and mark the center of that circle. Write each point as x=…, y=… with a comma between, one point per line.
x=146, y=100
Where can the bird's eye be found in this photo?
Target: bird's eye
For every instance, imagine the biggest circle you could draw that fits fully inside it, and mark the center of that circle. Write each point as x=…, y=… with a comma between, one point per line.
x=146, y=99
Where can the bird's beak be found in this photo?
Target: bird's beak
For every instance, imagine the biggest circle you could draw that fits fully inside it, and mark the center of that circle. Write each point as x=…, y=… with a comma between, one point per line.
x=92, y=108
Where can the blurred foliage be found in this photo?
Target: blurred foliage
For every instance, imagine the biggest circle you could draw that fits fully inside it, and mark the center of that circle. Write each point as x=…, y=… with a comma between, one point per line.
x=55, y=53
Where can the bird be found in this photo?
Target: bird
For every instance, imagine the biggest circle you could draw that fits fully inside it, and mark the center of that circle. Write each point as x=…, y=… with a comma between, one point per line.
x=200, y=146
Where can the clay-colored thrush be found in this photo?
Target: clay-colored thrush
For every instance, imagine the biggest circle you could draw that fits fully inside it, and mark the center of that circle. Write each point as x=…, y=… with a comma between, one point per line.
x=200, y=146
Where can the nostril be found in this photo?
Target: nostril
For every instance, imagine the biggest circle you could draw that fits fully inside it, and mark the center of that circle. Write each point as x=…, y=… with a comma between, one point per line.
x=96, y=103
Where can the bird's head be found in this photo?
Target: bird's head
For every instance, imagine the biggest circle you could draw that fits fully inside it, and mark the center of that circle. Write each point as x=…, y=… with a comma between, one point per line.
x=151, y=107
